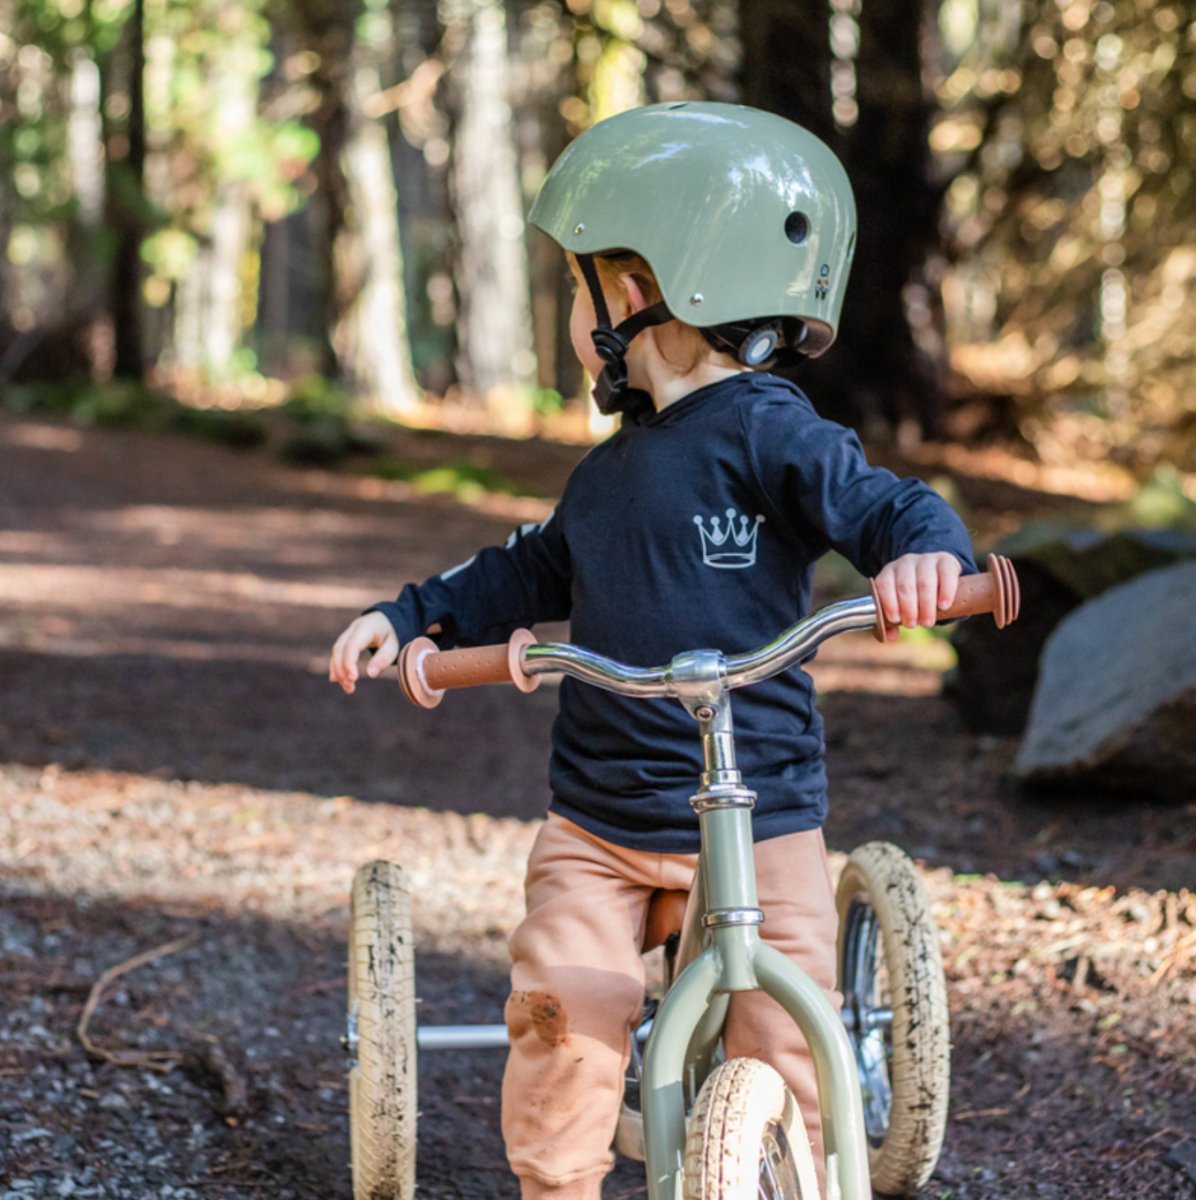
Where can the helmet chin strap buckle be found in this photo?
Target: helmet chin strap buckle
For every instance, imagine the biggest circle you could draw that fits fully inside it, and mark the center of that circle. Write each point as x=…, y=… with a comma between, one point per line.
x=611, y=392
x=612, y=395
x=611, y=346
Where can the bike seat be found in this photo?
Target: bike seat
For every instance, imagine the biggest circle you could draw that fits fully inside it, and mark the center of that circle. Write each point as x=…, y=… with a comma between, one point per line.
x=666, y=913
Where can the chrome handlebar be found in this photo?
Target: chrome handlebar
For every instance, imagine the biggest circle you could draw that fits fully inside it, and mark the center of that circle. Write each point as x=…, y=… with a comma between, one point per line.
x=697, y=677
x=679, y=677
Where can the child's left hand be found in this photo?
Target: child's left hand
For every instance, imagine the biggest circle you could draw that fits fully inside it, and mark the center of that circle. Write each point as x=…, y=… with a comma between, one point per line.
x=915, y=588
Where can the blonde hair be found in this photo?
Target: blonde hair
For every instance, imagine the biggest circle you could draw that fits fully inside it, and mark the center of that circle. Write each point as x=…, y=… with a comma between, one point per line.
x=690, y=348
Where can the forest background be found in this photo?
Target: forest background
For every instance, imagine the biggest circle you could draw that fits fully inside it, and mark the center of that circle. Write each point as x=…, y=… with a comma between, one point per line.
x=242, y=203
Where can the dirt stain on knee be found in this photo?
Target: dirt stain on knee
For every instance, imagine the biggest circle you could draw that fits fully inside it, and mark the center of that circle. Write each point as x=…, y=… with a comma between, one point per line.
x=547, y=1014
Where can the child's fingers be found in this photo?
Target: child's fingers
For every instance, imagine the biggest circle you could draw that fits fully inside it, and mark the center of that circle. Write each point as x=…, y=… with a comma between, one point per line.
x=928, y=590
x=384, y=656
x=906, y=583
x=886, y=595
x=896, y=586
x=949, y=571
x=336, y=658
x=345, y=654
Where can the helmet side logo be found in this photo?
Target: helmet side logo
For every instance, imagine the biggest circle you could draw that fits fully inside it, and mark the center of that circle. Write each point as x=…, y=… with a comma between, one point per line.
x=822, y=285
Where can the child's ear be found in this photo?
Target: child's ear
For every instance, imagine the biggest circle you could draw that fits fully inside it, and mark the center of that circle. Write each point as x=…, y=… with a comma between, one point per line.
x=635, y=293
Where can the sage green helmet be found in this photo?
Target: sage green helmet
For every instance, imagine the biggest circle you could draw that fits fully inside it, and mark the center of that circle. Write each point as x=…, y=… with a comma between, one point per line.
x=742, y=215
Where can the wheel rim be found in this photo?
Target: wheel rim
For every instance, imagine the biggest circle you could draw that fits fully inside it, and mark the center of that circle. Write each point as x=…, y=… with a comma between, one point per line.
x=868, y=1015
x=778, y=1172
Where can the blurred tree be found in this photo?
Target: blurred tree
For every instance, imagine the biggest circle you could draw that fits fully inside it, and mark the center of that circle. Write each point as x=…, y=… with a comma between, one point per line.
x=207, y=85
x=853, y=73
x=1070, y=130
x=377, y=329
x=495, y=357
x=61, y=104
x=127, y=213
x=184, y=183
x=326, y=32
x=362, y=336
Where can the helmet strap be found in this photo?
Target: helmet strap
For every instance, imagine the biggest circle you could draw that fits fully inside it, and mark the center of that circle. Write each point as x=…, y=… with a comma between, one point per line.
x=611, y=391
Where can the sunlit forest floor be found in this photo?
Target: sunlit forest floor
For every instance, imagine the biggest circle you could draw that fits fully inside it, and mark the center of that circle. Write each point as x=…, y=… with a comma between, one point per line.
x=174, y=764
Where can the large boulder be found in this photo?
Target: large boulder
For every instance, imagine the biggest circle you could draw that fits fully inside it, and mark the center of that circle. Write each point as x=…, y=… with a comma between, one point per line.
x=1059, y=568
x=1115, y=705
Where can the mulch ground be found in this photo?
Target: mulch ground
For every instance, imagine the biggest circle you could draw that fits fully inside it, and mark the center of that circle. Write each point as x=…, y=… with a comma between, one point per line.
x=177, y=777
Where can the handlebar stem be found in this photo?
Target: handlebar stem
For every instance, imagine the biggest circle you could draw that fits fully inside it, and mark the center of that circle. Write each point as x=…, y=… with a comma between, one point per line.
x=698, y=679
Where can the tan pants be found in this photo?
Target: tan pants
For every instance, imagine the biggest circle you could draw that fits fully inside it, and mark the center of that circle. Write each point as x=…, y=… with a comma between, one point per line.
x=577, y=989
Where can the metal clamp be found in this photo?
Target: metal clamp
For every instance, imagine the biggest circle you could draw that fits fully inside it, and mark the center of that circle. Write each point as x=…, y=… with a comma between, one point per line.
x=719, y=917
x=723, y=795
x=697, y=678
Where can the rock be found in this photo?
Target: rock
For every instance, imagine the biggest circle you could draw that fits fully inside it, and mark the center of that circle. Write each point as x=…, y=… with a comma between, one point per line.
x=1115, y=704
x=1058, y=569
x=1182, y=1156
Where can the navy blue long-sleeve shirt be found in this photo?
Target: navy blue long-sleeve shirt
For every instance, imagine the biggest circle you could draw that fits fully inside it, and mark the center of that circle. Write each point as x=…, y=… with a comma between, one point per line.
x=695, y=527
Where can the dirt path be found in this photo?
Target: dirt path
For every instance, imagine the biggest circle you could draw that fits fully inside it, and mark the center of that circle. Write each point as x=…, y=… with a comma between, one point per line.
x=174, y=765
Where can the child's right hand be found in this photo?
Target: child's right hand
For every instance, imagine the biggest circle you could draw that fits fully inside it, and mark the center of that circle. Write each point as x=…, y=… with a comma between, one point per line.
x=370, y=632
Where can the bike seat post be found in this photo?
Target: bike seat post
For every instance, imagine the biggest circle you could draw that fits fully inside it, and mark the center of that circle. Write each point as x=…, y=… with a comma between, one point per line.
x=724, y=807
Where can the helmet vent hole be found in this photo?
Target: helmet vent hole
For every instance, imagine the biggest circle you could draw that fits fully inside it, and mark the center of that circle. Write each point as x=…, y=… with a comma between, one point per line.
x=797, y=227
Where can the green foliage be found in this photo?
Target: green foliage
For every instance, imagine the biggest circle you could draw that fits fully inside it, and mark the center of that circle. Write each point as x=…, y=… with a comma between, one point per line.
x=1159, y=503
x=547, y=402
x=125, y=404
x=316, y=398
x=318, y=410
x=466, y=481
x=241, y=429
x=837, y=577
x=119, y=404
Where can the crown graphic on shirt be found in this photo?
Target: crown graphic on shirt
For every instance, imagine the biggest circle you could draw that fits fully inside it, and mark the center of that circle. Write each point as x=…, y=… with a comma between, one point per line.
x=730, y=541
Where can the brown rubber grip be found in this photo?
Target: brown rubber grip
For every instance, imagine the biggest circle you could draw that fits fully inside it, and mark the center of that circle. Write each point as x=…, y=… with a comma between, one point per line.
x=996, y=591
x=426, y=673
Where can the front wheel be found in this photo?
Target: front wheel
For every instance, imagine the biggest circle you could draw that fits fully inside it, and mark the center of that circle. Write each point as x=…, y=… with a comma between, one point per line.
x=746, y=1138
x=381, y=1035
x=895, y=1010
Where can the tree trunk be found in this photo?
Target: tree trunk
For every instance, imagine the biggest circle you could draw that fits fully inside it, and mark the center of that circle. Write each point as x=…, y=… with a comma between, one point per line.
x=786, y=62
x=890, y=161
x=127, y=181
x=8, y=117
x=877, y=375
x=329, y=203
x=235, y=85
x=382, y=358
x=85, y=155
x=496, y=359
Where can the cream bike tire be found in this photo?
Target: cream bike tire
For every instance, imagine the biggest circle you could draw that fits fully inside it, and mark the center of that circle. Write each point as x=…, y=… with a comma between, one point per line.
x=380, y=1038
x=746, y=1139
x=895, y=1010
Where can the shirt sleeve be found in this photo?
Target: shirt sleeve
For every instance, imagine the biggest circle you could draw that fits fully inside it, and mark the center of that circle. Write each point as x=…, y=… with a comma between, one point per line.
x=816, y=475
x=498, y=590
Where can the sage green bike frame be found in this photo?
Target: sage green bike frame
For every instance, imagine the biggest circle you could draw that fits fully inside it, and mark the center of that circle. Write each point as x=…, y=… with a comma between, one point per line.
x=721, y=952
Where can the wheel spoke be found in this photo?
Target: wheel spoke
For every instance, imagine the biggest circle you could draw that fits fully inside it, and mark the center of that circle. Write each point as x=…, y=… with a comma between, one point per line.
x=868, y=1016
x=778, y=1175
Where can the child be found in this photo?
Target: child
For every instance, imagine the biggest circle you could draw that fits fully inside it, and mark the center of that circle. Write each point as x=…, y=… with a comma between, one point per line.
x=707, y=242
